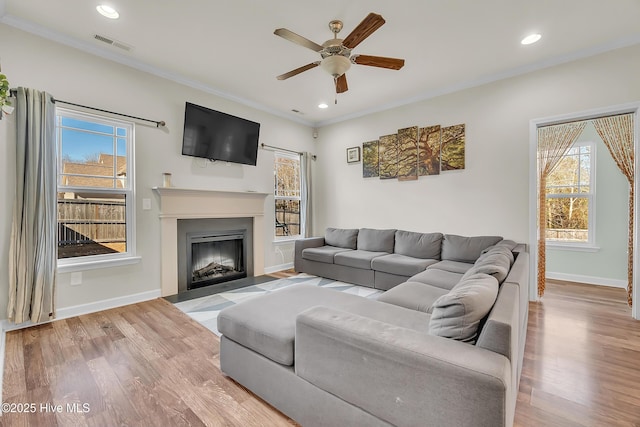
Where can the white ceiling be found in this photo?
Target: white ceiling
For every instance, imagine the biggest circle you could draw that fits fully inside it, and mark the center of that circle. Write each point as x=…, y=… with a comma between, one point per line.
x=227, y=47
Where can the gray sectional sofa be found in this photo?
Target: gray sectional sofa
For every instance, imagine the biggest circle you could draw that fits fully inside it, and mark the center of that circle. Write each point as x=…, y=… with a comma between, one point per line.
x=443, y=346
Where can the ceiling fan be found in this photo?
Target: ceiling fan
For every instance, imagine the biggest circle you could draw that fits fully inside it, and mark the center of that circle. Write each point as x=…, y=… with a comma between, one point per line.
x=336, y=53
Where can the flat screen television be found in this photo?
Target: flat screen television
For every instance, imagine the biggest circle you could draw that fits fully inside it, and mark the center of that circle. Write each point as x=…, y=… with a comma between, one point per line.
x=215, y=135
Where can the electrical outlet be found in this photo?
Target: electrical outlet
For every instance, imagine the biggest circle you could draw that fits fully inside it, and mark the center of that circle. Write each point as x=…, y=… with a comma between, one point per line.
x=76, y=278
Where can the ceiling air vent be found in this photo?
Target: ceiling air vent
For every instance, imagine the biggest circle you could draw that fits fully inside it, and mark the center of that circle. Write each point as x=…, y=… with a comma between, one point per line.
x=111, y=42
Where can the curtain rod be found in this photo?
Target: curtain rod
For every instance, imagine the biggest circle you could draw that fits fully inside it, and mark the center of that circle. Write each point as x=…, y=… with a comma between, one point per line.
x=263, y=145
x=158, y=124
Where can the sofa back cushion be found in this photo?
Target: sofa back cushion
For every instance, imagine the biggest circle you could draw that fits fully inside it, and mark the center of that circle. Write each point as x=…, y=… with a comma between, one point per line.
x=457, y=314
x=496, y=263
x=341, y=237
x=376, y=240
x=466, y=249
x=418, y=245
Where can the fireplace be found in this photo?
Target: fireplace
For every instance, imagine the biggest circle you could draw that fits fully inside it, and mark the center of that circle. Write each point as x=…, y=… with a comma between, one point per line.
x=215, y=257
x=184, y=210
x=212, y=251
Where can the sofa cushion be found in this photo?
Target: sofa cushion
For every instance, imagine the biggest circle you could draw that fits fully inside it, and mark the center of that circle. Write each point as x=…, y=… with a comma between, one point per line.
x=322, y=254
x=466, y=249
x=267, y=324
x=509, y=244
x=452, y=266
x=341, y=237
x=496, y=263
x=400, y=264
x=376, y=240
x=413, y=295
x=357, y=258
x=418, y=245
x=457, y=314
x=439, y=278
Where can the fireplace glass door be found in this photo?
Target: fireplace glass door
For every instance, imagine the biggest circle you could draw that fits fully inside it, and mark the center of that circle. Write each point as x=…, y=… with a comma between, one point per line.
x=215, y=258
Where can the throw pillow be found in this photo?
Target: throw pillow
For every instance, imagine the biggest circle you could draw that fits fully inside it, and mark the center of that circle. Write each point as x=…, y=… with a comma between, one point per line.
x=496, y=262
x=457, y=314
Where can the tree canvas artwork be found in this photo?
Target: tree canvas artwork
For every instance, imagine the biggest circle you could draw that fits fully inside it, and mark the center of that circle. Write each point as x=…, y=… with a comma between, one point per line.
x=388, y=154
x=429, y=151
x=452, y=148
x=414, y=152
x=408, y=154
x=370, y=160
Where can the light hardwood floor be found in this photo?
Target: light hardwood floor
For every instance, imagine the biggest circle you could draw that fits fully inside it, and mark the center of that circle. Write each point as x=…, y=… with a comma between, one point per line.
x=149, y=364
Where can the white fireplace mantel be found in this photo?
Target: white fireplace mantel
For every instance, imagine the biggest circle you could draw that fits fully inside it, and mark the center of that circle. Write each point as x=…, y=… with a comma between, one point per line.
x=185, y=203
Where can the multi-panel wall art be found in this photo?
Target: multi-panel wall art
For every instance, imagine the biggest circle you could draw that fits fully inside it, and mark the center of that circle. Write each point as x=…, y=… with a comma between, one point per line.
x=388, y=155
x=370, y=163
x=414, y=152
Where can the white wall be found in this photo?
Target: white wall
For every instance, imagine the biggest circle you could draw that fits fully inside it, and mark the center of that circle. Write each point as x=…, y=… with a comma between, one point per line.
x=491, y=195
x=75, y=76
x=608, y=265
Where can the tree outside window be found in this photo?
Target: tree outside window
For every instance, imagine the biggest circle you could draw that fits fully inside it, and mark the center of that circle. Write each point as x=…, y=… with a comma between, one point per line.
x=287, y=194
x=570, y=197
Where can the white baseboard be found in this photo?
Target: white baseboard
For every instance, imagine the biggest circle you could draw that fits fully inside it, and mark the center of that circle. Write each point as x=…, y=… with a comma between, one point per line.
x=589, y=280
x=281, y=267
x=78, y=310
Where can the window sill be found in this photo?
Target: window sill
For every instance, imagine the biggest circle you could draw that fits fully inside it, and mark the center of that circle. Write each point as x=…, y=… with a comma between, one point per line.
x=286, y=240
x=573, y=247
x=96, y=264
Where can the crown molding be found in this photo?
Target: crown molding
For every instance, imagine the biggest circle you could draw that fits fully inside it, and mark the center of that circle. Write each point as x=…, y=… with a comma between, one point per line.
x=540, y=65
x=41, y=31
x=84, y=46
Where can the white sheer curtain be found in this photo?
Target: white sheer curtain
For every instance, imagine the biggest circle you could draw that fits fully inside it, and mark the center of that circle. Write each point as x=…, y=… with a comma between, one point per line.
x=33, y=246
x=305, y=163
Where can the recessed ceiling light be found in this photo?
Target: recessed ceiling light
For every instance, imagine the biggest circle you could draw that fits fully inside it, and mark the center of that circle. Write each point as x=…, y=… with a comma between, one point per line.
x=107, y=11
x=531, y=38
x=323, y=105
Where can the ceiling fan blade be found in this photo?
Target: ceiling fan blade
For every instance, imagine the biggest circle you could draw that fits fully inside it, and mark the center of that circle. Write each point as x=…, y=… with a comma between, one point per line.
x=341, y=84
x=379, y=61
x=298, y=39
x=371, y=23
x=298, y=70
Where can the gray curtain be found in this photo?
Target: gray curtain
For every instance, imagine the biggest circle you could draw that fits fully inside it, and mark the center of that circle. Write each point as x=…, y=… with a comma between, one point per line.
x=33, y=246
x=305, y=163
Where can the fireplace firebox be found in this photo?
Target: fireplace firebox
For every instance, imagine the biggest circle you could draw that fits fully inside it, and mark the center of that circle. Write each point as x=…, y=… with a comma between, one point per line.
x=215, y=257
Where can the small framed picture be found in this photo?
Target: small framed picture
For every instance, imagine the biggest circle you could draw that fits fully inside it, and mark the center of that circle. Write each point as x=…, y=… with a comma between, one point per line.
x=353, y=154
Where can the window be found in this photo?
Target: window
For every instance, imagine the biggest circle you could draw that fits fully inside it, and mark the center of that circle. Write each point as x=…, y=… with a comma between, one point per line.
x=571, y=197
x=95, y=188
x=287, y=196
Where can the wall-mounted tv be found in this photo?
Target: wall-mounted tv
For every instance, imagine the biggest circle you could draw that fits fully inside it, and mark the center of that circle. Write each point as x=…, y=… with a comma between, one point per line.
x=215, y=135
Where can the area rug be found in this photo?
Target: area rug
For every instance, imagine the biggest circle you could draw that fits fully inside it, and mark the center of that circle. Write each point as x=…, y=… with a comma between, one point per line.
x=205, y=309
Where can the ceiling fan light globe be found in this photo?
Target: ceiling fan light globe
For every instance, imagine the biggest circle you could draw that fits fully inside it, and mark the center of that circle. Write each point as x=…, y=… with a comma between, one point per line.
x=336, y=65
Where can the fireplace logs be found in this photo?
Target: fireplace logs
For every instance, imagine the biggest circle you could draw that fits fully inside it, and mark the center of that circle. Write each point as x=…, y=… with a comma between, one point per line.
x=211, y=269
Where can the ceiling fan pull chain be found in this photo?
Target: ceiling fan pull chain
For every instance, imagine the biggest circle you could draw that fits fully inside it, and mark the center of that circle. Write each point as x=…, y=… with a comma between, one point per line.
x=335, y=83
